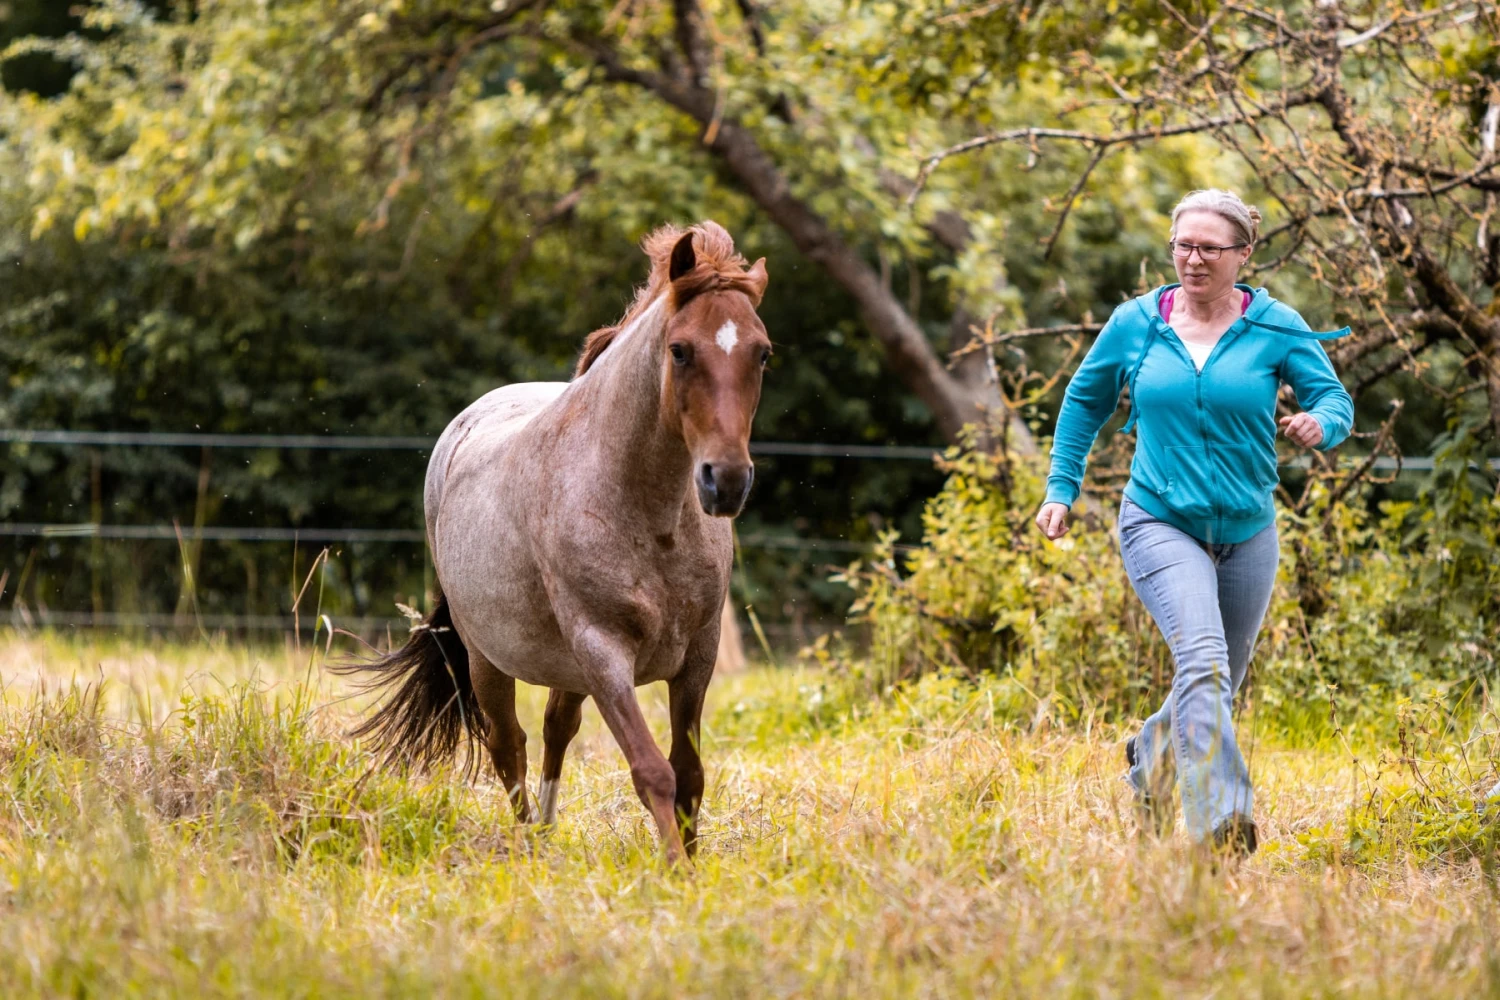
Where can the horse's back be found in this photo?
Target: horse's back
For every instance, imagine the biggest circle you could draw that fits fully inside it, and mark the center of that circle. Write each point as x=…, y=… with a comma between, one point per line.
x=482, y=430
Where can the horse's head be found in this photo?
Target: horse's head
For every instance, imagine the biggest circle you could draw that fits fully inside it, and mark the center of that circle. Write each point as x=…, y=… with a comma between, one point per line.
x=715, y=350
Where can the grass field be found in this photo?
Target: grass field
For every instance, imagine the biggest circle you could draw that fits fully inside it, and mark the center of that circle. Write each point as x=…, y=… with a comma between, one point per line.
x=188, y=820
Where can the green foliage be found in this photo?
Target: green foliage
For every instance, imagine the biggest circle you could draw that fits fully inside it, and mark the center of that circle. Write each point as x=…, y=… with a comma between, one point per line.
x=244, y=217
x=1429, y=797
x=985, y=592
x=342, y=217
x=1412, y=598
x=1410, y=604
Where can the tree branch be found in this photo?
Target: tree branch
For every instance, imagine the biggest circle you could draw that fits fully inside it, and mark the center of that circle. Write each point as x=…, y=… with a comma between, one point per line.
x=1072, y=197
x=952, y=403
x=991, y=340
x=932, y=162
x=750, y=13
x=692, y=41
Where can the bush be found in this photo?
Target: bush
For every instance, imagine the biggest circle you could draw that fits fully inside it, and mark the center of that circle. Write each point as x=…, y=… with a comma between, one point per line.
x=1366, y=607
x=985, y=592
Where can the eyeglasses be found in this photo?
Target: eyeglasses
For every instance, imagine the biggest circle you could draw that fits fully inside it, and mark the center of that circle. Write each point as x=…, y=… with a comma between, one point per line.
x=1181, y=249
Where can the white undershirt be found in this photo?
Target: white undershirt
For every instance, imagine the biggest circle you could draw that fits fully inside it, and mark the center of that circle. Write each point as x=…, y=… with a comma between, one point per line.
x=1200, y=352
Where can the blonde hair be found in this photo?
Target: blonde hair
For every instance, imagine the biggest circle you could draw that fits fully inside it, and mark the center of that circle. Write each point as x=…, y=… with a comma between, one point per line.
x=1244, y=218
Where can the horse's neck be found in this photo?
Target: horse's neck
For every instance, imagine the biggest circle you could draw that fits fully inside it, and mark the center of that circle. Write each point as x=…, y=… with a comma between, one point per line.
x=648, y=463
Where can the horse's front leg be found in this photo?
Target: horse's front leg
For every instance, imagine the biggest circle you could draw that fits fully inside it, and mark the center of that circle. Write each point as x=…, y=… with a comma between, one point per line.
x=610, y=663
x=686, y=692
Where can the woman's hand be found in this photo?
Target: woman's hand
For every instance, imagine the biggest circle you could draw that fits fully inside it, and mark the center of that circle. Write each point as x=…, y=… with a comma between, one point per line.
x=1302, y=429
x=1052, y=520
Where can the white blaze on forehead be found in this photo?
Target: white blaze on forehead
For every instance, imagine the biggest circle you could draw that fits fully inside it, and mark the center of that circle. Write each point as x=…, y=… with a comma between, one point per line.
x=728, y=336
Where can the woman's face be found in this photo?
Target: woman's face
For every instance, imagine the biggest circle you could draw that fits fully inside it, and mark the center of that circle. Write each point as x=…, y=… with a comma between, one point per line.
x=1208, y=279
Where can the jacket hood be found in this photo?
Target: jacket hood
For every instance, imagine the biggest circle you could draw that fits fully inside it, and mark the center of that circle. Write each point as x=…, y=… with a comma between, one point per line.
x=1265, y=311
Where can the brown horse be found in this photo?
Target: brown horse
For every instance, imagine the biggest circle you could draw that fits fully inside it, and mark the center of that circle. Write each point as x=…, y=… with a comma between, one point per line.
x=581, y=539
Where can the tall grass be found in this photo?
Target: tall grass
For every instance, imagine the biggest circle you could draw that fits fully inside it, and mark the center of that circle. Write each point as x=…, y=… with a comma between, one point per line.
x=195, y=823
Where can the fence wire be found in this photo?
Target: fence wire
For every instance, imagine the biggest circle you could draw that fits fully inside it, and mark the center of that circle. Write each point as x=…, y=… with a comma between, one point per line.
x=327, y=536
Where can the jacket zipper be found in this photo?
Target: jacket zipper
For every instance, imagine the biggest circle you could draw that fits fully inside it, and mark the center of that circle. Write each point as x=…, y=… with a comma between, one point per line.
x=1202, y=425
x=1203, y=435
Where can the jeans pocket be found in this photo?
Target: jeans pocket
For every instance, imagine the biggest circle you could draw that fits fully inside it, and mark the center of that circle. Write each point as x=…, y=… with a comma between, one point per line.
x=1131, y=518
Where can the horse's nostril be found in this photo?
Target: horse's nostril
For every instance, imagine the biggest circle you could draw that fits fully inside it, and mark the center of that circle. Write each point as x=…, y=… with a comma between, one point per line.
x=706, y=473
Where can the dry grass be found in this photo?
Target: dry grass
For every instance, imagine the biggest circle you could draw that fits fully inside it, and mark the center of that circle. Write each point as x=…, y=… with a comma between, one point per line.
x=203, y=829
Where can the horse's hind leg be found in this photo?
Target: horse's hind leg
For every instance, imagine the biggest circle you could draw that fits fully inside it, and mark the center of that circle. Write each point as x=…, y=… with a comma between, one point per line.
x=504, y=737
x=559, y=726
x=685, y=695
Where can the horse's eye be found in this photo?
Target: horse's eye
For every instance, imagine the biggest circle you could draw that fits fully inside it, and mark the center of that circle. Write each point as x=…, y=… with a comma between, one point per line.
x=679, y=354
x=765, y=357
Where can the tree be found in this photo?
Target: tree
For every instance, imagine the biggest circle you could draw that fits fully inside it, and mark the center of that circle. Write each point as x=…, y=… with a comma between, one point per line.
x=788, y=107
x=1371, y=129
x=359, y=215
x=801, y=107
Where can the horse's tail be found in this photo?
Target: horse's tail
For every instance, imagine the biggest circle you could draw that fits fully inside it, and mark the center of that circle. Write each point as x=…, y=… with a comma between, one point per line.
x=433, y=707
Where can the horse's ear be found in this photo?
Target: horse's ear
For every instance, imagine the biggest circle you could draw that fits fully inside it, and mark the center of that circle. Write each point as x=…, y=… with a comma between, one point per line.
x=758, y=278
x=683, y=259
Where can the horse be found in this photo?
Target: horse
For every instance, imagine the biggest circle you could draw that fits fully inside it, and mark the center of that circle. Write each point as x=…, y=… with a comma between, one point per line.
x=581, y=537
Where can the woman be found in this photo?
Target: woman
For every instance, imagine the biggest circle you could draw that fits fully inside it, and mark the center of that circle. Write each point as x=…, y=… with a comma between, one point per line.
x=1203, y=360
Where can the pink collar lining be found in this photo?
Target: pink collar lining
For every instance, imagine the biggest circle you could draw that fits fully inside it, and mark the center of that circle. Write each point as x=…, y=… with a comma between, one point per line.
x=1169, y=297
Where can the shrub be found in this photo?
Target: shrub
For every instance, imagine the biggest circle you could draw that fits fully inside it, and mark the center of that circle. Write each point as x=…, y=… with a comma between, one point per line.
x=1365, y=607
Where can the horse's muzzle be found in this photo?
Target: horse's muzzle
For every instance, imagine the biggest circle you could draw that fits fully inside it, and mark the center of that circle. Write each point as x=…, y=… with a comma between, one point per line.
x=723, y=489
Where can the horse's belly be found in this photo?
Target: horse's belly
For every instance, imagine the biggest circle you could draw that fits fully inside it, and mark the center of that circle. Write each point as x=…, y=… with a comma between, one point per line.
x=502, y=609
x=545, y=664
x=521, y=638
x=487, y=492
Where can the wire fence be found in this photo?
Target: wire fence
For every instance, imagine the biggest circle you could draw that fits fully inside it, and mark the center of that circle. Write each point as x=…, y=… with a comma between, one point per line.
x=316, y=535
x=337, y=442
x=25, y=617
x=346, y=535
x=333, y=536
x=31, y=618
x=360, y=625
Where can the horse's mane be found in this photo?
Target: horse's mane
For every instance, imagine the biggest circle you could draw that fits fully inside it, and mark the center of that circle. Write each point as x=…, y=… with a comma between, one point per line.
x=719, y=267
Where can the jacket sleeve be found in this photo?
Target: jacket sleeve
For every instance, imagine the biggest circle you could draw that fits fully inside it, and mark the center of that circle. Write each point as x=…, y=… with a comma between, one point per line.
x=1091, y=398
x=1310, y=374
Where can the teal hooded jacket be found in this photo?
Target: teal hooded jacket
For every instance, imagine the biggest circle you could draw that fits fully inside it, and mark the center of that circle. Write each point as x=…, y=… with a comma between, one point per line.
x=1205, y=449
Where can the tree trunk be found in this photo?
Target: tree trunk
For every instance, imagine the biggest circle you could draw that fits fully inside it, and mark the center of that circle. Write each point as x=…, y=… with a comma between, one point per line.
x=970, y=396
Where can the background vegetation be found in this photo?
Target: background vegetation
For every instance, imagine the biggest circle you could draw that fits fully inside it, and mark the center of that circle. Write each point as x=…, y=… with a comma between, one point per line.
x=353, y=218
x=1369, y=609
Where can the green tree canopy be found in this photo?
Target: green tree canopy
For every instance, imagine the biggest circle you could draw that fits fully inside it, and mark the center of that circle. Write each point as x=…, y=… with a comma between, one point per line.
x=355, y=216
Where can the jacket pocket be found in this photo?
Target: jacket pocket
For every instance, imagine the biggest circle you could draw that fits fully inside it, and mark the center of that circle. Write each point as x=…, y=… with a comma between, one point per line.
x=1247, y=475
x=1150, y=472
x=1230, y=481
x=1190, y=482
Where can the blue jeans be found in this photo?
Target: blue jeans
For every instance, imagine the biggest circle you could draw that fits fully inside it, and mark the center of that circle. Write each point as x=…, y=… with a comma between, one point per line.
x=1208, y=601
